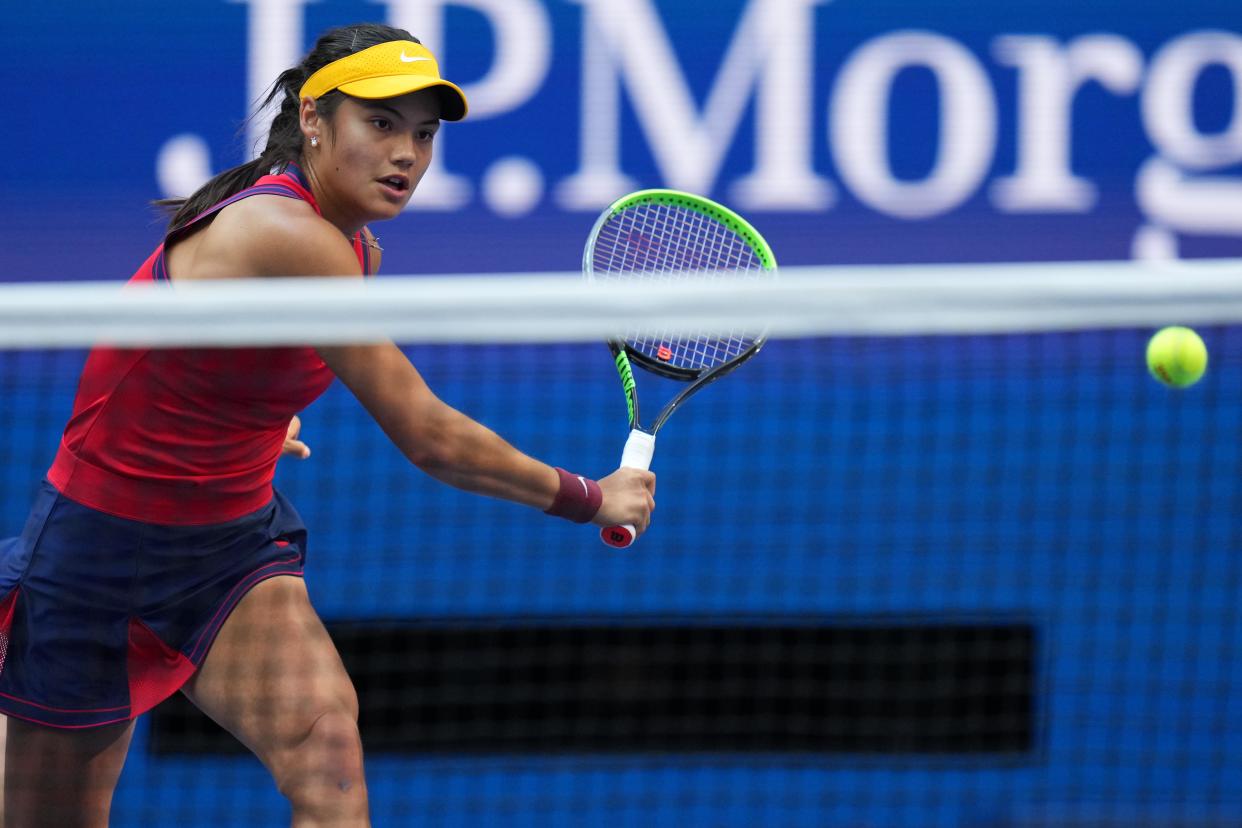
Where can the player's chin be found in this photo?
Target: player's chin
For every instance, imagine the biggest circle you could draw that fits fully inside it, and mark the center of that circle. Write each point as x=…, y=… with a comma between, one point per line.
x=383, y=212
x=390, y=201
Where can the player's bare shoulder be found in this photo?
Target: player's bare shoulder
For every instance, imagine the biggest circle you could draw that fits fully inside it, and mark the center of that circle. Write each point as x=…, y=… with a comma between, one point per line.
x=270, y=235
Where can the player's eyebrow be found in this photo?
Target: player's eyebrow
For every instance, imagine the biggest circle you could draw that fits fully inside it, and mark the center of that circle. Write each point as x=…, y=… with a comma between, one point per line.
x=395, y=112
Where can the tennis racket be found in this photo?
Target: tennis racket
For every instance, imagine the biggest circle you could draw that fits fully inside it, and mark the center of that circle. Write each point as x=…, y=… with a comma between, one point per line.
x=662, y=236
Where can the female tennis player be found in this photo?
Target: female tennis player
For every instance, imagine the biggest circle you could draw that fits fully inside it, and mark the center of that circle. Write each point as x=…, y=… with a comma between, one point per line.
x=157, y=556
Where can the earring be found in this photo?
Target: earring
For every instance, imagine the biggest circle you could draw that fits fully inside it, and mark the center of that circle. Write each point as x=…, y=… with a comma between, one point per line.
x=314, y=140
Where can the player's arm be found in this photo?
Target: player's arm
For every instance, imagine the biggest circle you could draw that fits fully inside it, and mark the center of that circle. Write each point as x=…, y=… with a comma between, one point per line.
x=432, y=434
x=462, y=452
x=294, y=447
x=285, y=241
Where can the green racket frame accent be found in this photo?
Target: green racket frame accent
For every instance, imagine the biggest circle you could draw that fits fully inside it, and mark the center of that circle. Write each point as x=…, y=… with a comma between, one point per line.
x=707, y=207
x=627, y=384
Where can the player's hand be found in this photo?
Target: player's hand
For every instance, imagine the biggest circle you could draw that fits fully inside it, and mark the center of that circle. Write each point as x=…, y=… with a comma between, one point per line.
x=293, y=446
x=629, y=498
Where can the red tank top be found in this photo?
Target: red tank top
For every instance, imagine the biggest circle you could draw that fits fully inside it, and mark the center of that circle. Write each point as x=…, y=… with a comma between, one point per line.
x=187, y=436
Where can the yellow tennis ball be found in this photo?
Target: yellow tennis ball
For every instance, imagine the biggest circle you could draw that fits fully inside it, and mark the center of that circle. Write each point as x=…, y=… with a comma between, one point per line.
x=1177, y=357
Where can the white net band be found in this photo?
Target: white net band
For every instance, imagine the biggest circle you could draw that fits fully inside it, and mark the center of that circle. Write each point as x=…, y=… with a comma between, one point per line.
x=560, y=307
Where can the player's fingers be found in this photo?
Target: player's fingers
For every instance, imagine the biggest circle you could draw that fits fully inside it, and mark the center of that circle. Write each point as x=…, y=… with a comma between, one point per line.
x=647, y=480
x=296, y=448
x=647, y=512
x=295, y=428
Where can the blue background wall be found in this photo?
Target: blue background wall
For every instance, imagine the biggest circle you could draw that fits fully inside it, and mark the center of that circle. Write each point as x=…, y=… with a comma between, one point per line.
x=1043, y=477
x=99, y=92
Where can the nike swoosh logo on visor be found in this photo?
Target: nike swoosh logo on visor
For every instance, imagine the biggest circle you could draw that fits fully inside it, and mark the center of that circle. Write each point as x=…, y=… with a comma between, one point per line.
x=405, y=59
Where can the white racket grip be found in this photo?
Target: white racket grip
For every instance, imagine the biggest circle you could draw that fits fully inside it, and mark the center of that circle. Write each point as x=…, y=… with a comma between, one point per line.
x=637, y=454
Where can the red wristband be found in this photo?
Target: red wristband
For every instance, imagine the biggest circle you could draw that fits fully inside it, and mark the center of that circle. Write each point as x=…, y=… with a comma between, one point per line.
x=578, y=499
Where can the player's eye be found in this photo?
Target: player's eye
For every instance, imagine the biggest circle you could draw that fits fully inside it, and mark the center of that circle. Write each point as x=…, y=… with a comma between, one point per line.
x=381, y=123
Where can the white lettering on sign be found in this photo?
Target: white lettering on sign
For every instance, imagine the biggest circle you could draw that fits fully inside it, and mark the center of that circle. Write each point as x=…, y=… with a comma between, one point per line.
x=768, y=58
x=859, y=132
x=768, y=69
x=1049, y=76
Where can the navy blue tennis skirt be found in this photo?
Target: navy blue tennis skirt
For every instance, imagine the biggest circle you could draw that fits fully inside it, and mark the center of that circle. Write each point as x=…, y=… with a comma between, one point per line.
x=102, y=618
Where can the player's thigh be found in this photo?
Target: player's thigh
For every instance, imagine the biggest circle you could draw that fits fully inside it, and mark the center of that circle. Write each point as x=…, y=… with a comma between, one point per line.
x=273, y=670
x=62, y=777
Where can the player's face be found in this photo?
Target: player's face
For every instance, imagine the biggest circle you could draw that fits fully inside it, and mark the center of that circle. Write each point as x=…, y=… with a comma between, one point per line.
x=374, y=156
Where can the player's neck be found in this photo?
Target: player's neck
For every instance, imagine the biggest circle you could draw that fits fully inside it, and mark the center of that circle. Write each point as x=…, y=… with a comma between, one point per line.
x=331, y=208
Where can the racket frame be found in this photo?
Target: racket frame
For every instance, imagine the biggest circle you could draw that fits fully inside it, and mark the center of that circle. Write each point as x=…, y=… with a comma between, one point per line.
x=626, y=356
x=640, y=446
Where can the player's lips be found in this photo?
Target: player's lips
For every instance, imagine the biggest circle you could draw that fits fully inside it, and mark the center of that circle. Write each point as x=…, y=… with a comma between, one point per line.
x=396, y=185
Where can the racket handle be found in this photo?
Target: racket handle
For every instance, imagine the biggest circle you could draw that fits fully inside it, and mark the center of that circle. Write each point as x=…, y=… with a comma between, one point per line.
x=637, y=454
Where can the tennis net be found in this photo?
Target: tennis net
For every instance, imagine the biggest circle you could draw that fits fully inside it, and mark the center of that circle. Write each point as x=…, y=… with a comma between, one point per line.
x=943, y=554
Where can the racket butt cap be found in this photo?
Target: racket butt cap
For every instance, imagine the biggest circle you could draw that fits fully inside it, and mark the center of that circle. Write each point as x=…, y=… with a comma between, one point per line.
x=618, y=537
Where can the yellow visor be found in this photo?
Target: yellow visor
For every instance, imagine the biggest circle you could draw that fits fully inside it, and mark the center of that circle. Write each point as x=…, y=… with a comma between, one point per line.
x=386, y=71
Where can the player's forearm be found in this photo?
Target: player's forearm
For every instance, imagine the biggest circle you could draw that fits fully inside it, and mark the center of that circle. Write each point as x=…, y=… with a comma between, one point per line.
x=433, y=435
x=465, y=454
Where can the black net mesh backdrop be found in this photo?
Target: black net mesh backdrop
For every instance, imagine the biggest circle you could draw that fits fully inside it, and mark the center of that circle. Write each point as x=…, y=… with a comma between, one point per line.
x=964, y=580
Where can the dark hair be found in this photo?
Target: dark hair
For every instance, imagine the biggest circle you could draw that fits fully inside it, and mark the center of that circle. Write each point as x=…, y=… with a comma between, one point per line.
x=284, y=139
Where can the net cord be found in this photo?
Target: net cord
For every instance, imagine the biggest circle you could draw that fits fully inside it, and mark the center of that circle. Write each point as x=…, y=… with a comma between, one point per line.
x=560, y=307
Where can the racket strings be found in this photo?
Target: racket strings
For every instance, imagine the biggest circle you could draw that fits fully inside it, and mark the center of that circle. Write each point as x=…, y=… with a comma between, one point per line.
x=699, y=246
x=666, y=243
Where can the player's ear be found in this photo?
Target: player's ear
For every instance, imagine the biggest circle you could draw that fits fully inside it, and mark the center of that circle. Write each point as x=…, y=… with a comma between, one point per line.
x=309, y=120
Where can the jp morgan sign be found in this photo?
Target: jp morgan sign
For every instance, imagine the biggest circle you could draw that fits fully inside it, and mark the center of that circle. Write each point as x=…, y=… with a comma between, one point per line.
x=815, y=133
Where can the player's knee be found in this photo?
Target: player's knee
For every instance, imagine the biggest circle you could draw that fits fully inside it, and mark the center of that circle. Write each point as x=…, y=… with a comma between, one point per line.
x=328, y=757
x=347, y=699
